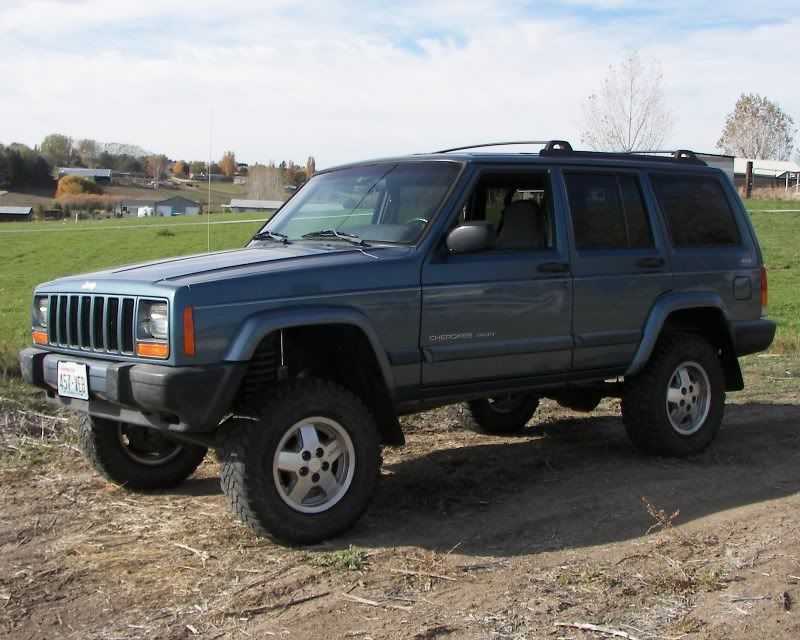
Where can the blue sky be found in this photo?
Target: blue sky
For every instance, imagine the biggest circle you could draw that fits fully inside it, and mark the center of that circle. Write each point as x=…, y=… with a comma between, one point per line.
x=348, y=80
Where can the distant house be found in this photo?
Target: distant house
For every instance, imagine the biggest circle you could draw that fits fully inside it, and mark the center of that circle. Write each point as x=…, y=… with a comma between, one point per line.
x=782, y=174
x=177, y=206
x=100, y=176
x=16, y=214
x=253, y=205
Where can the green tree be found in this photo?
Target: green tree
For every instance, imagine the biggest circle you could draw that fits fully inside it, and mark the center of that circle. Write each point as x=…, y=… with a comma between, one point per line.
x=197, y=166
x=57, y=149
x=88, y=151
x=757, y=128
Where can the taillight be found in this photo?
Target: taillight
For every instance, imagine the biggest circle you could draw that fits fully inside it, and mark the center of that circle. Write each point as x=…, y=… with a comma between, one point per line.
x=764, y=288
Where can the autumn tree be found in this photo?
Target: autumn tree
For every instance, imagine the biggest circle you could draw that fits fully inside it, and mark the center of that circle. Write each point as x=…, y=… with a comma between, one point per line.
x=628, y=112
x=179, y=168
x=757, y=128
x=57, y=149
x=228, y=164
x=311, y=166
x=76, y=185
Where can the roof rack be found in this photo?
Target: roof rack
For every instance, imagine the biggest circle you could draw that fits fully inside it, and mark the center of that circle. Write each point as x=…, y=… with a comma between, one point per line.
x=564, y=148
x=547, y=143
x=681, y=155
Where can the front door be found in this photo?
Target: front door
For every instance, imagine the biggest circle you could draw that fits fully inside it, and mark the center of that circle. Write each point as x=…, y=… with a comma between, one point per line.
x=505, y=313
x=619, y=264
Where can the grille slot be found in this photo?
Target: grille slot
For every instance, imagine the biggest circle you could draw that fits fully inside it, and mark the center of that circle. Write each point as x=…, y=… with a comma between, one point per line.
x=97, y=323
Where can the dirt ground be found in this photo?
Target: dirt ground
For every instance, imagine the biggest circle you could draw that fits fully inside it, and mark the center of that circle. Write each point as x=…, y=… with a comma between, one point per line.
x=469, y=536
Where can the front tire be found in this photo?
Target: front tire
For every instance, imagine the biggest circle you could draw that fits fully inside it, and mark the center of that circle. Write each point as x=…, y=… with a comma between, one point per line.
x=504, y=415
x=135, y=457
x=303, y=465
x=674, y=407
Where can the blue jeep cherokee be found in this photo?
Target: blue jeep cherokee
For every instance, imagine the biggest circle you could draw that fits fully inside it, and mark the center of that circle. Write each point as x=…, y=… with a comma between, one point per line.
x=391, y=286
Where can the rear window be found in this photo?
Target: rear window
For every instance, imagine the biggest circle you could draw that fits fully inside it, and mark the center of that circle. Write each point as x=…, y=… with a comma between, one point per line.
x=697, y=211
x=607, y=211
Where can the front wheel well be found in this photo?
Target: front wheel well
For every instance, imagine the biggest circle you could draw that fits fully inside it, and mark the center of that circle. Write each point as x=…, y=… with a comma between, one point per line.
x=340, y=353
x=709, y=323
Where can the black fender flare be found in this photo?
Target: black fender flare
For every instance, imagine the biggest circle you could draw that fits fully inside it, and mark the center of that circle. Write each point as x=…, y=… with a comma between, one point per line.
x=261, y=324
x=659, y=312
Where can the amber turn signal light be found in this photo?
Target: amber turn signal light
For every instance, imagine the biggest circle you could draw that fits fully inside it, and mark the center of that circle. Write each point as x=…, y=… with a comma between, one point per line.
x=188, y=332
x=39, y=337
x=152, y=349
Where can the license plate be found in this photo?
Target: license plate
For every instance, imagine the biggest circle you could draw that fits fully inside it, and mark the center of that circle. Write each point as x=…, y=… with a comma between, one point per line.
x=73, y=380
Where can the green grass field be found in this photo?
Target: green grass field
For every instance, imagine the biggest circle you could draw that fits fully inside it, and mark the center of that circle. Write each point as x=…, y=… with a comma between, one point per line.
x=40, y=251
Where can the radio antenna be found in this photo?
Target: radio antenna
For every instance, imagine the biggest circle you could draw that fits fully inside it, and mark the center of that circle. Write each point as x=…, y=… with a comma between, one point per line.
x=208, y=209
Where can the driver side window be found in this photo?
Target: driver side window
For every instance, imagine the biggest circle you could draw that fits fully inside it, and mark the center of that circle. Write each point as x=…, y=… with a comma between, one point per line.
x=519, y=205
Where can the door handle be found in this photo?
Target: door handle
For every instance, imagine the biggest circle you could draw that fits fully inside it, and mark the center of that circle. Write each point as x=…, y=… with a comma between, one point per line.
x=553, y=267
x=650, y=263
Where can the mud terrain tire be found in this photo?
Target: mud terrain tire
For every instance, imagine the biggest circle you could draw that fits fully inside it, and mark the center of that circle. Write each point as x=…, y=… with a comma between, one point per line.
x=135, y=457
x=659, y=426
x=259, y=482
x=504, y=416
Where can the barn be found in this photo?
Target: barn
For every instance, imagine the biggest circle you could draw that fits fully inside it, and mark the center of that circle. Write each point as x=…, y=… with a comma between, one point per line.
x=253, y=205
x=100, y=176
x=16, y=214
x=176, y=206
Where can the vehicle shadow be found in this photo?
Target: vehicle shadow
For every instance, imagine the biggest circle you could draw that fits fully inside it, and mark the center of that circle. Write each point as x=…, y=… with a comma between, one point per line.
x=576, y=482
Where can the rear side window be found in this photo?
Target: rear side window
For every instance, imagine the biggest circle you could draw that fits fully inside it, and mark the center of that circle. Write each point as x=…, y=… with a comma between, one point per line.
x=607, y=211
x=697, y=211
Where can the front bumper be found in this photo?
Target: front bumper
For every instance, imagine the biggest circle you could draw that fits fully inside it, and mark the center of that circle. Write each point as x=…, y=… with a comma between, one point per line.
x=180, y=399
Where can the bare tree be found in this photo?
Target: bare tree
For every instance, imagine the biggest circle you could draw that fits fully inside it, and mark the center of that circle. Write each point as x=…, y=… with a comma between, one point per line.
x=265, y=182
x=757, y=128
x=628, y=113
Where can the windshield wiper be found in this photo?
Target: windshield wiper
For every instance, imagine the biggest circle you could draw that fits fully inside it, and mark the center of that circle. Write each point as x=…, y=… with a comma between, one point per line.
x=333, y=233
x=272, y=235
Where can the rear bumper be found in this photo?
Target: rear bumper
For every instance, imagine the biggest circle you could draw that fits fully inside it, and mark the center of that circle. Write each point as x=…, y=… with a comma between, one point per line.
x=752, y=336
x=180, y=399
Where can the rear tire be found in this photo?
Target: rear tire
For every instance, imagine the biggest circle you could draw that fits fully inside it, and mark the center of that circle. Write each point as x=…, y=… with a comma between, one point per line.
x=504, y=415
x=674, y=407
x=302, y=465
x=136, y=457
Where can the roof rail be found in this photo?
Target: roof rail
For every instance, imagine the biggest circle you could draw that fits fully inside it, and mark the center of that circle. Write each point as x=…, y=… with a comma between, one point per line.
x=499, y=144
x=681, y=155
x=564, y=148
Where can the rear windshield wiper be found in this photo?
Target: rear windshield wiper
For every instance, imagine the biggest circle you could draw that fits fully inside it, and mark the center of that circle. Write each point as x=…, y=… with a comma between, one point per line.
x=333, y=233
x=272, y=235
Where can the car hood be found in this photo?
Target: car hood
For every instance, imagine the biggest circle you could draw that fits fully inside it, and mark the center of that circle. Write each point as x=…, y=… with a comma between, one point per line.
x=223, y=265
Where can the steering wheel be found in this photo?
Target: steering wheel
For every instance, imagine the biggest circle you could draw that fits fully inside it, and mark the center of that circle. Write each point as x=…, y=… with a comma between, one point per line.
x=408, y=223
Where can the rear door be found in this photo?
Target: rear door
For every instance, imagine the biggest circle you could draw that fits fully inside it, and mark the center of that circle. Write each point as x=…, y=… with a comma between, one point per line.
x=619, y=263
x=505, y=313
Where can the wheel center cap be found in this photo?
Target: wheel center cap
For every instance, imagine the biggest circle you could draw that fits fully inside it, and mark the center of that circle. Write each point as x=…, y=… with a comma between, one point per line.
x=314, y=465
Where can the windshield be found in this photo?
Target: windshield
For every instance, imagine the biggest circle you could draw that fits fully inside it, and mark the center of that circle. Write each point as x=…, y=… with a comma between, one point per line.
x=391, y=202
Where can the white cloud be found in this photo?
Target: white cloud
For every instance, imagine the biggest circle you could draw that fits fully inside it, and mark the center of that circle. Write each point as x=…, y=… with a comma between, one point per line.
x=354, y=80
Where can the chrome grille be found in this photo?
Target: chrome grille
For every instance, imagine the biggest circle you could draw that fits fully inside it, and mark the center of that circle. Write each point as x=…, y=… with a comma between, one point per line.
x=104, y=324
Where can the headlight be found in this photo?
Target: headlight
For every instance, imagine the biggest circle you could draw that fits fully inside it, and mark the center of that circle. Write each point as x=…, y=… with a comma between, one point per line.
x=154, y=320
x=41, y=306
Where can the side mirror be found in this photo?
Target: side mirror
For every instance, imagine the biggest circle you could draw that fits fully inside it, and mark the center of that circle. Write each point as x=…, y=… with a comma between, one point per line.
x=472, y=237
